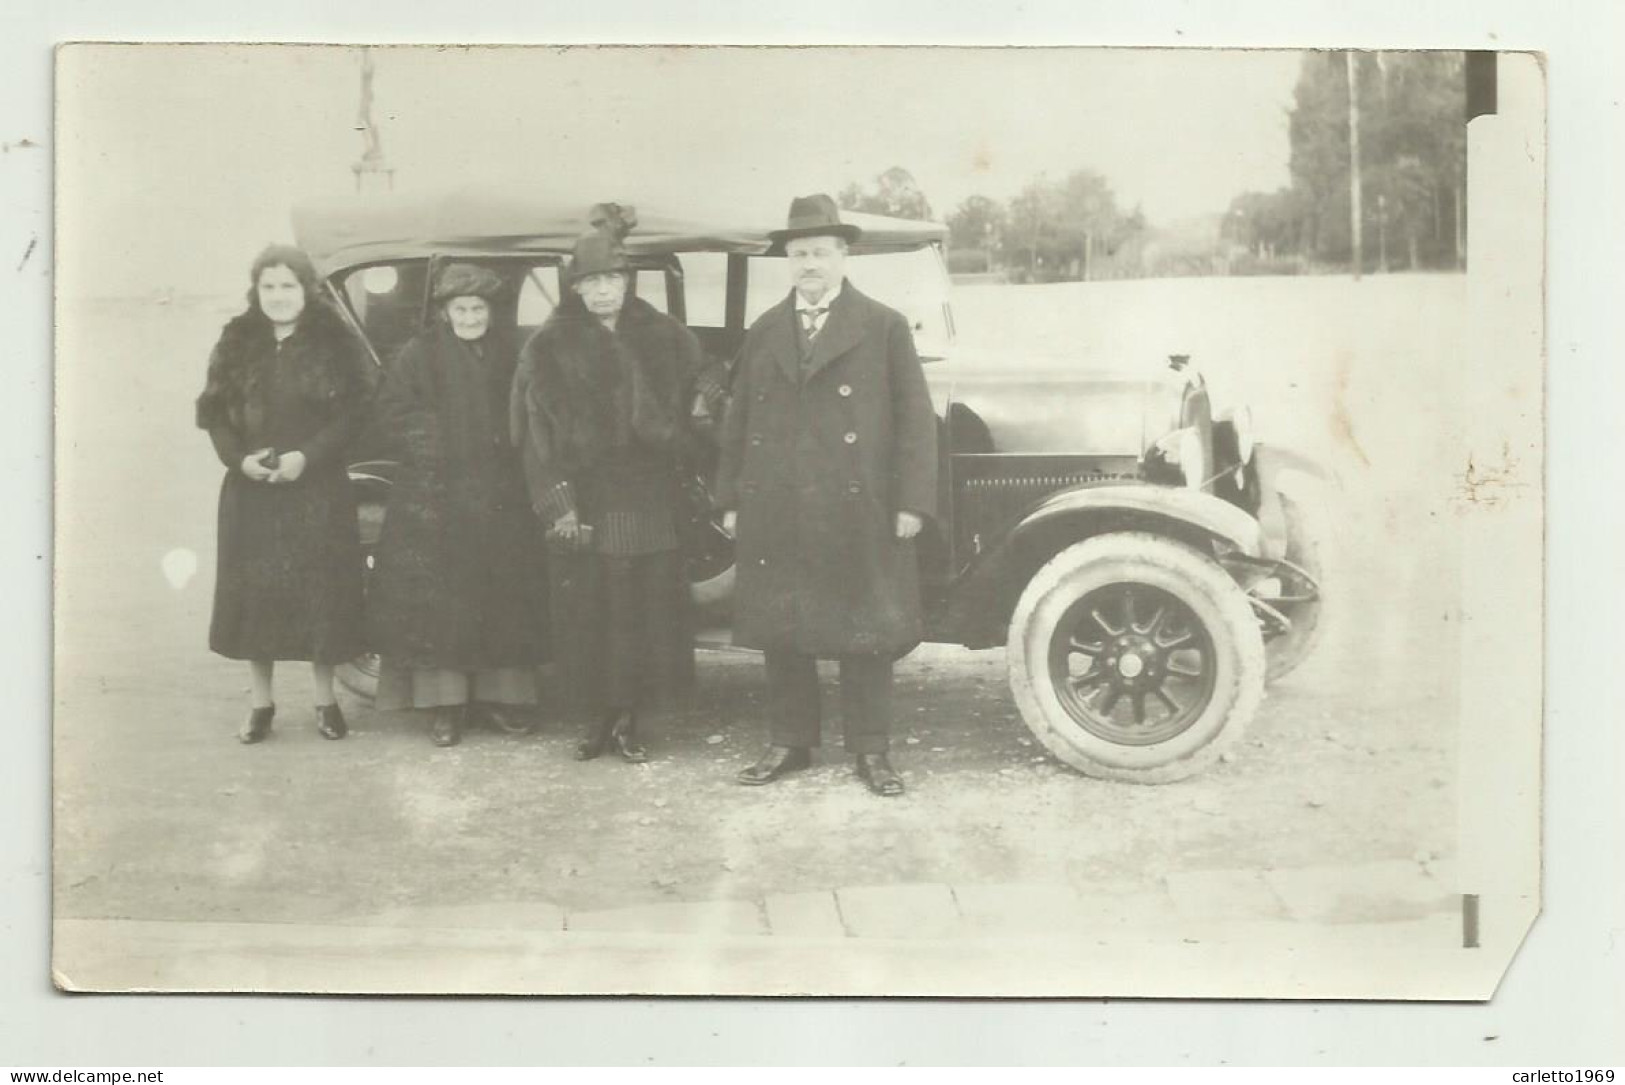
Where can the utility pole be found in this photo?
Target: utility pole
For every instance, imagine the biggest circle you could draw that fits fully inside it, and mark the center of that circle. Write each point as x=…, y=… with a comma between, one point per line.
x=372, y=171
x=1354, y=165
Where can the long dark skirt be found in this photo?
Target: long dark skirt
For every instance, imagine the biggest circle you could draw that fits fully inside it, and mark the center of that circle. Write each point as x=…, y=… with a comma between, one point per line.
x=288, y=575
x=620, y=629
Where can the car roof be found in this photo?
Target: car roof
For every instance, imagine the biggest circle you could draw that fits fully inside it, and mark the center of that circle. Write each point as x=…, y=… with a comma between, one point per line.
x=472, y=221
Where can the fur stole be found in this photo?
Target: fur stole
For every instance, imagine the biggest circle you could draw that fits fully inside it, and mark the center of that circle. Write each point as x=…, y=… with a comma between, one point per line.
x=327, y=362
x=603, y=391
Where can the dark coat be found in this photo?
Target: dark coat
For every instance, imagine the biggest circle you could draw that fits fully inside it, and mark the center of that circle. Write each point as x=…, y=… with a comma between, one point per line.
x=817, y=468
x=459, y=580
x=602, y=421
x=288, y=570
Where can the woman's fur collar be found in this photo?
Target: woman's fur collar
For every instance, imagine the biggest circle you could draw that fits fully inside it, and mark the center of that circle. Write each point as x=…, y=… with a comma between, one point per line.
x=323, y=355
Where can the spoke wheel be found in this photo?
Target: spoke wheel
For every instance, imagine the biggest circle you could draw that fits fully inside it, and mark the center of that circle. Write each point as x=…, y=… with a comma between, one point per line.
x=1132, y=664
x=1133, y=657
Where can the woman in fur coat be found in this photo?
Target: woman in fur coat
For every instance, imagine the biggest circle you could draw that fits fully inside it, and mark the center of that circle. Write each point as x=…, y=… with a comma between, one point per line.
x=605, y=385
x=286, y=393
x=457, y=609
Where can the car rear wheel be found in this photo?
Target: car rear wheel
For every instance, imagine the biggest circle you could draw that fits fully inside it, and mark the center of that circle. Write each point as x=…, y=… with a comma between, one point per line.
x=360, y=675
x=1135, y=658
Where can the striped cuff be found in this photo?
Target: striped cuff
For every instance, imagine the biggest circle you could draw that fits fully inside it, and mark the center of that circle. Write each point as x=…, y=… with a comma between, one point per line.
x=557, y=502
x=633, y=534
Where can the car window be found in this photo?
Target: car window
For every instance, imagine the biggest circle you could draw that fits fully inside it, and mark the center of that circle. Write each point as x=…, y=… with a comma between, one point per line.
x=538, y=296
x=651, y=287
x=387, y=300
x=705, y=288
x=914, y=283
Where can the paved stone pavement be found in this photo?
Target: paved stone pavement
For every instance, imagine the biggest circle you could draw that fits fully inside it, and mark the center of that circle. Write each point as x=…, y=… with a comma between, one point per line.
x=1373, y=930
x=1367, y=893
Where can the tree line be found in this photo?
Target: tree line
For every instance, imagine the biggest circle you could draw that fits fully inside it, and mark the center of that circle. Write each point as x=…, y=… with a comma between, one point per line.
x=1409, y=112
x=1072, y=228
x=1409, y=116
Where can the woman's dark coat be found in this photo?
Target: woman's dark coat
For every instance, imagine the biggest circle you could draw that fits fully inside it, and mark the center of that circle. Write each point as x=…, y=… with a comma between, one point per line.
x=817, y=465
x=459, y=580
x=288, y=574
x=602, y=420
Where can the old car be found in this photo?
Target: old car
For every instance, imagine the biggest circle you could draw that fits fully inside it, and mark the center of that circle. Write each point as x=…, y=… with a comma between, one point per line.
x=1129, y=542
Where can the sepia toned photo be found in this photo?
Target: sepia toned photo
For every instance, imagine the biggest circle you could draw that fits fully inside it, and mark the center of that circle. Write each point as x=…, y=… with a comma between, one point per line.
x=814, y=521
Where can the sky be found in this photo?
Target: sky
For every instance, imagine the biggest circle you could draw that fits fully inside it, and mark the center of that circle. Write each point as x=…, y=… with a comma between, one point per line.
x=175, y=163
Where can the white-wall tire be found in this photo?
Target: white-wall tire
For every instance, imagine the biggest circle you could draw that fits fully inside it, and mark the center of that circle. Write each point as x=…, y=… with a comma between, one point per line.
x=1189, y=698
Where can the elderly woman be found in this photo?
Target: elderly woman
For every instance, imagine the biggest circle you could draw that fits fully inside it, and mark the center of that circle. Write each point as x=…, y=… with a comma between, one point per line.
x=286, y=393
x=457, y=608
x=604, y=385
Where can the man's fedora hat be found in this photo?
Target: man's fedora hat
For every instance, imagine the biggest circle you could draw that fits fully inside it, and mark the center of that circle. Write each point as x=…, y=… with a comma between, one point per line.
x=813, y=216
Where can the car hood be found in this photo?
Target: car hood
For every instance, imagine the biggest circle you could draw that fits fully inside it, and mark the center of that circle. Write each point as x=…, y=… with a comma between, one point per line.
x=1053, y=405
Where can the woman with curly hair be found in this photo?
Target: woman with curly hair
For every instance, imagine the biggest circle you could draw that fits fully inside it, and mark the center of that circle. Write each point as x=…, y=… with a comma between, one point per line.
x=286, y=393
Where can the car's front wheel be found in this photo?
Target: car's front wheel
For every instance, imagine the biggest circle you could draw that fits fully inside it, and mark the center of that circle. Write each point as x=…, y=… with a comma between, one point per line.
x=1133, y=657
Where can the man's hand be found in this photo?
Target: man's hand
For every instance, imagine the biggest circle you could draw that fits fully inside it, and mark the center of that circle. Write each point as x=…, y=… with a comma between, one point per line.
x=730, y=520
x=908, y=525
x=253, y=468
x=289, y=467
x=568, y=527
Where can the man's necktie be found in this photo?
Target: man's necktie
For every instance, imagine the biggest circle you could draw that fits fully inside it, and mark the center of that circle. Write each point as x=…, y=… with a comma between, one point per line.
x=809, y=321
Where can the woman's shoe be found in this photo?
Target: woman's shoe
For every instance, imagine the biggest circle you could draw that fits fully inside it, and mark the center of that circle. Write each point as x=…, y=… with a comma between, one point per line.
x=596, y=738
x=447, y=727
x=330, y=721
x=625, y=737
x=509, y=719
x=257, y=726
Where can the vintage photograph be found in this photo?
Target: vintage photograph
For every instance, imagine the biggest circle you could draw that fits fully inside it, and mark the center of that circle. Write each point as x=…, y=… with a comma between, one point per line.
x=797, y=521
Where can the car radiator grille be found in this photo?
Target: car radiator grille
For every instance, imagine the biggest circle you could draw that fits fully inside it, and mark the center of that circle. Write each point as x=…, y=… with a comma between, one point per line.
x=992, y=492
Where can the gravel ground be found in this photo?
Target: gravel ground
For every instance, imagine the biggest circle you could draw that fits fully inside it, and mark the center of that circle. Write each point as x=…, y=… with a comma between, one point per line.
x=160, y=814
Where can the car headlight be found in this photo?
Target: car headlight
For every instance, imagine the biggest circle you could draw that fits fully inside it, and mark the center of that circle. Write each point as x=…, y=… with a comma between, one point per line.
x=1242, y=421
x=1185, y=449
x=1193, y=458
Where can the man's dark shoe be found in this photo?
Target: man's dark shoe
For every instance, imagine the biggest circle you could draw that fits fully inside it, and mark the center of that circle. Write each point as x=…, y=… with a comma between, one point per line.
x=447, y=727
x=777, y=761
x=257, y=726
x=875, y=770
x=596, y=737
x=625, y=739
x=330, y=721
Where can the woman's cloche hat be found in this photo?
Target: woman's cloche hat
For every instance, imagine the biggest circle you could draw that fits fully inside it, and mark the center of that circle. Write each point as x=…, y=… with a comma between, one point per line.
x=600, y=249
x=466, y=281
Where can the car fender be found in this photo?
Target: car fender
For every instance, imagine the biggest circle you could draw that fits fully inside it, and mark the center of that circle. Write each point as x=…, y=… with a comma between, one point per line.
x=1139, y=503
x=1280, y=467
x=983, y=596
x=1283, y=471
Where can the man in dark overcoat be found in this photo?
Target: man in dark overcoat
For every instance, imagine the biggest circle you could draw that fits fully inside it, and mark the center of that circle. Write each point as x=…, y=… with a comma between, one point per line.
x=828, y=473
